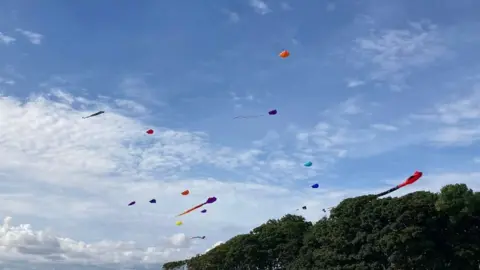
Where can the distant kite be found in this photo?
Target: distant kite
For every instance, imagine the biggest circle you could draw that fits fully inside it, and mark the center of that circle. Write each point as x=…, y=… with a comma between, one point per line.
x=308, y=164
x=153, y=201
x=149, y=132
x=95, y=114
x=204, y=211
x=185, y=192
x=303, y=207
x=272, y=112
x=315, y=186
x=410, y=180
x=178, y=223
x=198, y=237
x=209, y=201
x=326, y=209
x=131, y=203
x=284, y=54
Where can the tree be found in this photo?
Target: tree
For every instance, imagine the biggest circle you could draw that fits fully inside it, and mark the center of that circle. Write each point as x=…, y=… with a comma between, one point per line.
x=421, y=230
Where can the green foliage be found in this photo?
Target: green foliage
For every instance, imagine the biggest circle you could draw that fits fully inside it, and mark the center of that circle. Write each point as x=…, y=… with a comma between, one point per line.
x=421, y=230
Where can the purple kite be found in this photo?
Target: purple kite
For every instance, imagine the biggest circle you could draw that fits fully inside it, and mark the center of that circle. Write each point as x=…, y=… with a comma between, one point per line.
x=204, y=211
x=272, y=112
x=132, y=203
x=209, y=201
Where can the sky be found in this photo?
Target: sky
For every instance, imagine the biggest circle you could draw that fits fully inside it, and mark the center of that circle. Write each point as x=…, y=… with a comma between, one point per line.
x=372, y=91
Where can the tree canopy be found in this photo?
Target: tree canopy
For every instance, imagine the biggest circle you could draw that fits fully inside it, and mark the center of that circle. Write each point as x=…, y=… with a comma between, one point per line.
x=421, y=230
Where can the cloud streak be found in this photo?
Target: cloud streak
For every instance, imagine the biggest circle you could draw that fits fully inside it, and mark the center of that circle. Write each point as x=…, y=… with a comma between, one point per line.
x=260, y=7
x=34, y=38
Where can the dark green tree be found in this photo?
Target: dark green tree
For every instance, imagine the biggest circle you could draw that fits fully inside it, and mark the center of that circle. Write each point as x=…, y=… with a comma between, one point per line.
x=421, y=230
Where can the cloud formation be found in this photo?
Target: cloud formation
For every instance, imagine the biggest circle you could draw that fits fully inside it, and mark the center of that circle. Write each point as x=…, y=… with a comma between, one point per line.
x=260, y=7
x=34, y=38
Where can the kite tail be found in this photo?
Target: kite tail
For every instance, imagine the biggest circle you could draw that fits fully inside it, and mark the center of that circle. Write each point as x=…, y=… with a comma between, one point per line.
x=248, y=116
x=192, y=209
x=388, y=191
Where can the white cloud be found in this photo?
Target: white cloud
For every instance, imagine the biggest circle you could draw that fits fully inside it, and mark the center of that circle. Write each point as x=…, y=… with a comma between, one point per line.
x=384, y=127
x=6, y=39
x=131, y=105
x=34, y=38
x=393, y=53
x=354, y=83
x=260, y=7
x=6, y=81
x=232, y=16
x=136, y=86
x=23, y=243
x=456, y=121
x=350, y=106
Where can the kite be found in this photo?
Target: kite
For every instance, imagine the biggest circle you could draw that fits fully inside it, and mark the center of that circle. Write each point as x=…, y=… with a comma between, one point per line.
x=149, y=132
x=198, y=237
x=315, y=186
x=284, y=54
x=308, y=164
x=153, y=201
x=204, y=211
x=186, y=192
x=327, y=209
x=303, y=207
x=132, y=203
x=209, y=201
x=410, y=180
x=95, y=114
x=272, y=112
x=178, y=223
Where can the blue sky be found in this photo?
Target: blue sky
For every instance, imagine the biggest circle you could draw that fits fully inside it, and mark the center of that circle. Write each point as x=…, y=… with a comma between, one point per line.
x=373, y=90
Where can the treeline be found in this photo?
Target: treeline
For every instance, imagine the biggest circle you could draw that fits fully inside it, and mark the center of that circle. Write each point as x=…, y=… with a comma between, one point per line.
x=421, y=230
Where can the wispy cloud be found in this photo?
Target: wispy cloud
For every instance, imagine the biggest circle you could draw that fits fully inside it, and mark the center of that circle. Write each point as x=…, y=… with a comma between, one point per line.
x=6, y=81
x=351, y=106
x=260, y=7
x=232, y=16
x=392, y=53
x=331, y=7
x=239, y=101
x=352, y=83
x=6, y=39
x=34, y=38
x=457, y=120
x=384, y=127
x=285, y=6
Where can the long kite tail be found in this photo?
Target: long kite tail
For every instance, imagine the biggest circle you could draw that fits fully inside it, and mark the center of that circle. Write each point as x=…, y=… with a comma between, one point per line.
x=388, y=191
x=192, y=209
x=248, y=116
